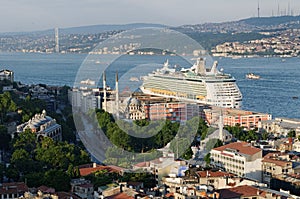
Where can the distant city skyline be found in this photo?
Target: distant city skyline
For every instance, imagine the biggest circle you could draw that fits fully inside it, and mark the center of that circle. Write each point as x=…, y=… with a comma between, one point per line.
x=31, y=15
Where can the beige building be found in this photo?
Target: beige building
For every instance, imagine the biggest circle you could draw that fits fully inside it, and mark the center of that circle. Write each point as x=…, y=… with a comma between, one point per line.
x=221, y=180
x=275, y=164
x=239, y=158
x=280, y=126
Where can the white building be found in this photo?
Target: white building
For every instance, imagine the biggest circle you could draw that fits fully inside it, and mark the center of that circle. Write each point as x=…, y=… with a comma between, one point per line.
x=85, y=98
x=7, y=74
x=43, y=126
x=239, y=158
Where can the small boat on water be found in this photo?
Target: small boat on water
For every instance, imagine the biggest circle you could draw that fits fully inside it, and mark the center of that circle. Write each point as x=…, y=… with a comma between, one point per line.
x=134, y=79
x=295, y=97
x=252, y=76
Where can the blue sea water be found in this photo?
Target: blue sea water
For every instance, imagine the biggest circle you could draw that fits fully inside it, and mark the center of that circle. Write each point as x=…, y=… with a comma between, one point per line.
x=273, y=93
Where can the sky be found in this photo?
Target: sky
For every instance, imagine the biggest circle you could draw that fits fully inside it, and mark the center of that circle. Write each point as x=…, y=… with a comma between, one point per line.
x=30, y=15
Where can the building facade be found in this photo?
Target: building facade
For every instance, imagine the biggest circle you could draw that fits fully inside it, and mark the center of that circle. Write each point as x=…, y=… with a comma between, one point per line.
x=7, y=75
x=43, y=126
x=280, y=126
x=239, y=158
x=233, y=117
x=274, y=164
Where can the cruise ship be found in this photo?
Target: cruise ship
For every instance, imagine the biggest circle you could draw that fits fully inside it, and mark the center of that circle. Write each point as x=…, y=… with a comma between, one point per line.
x=196, y=84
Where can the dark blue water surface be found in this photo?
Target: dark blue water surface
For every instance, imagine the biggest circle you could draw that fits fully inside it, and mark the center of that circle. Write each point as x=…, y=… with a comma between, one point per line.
x=273, y=93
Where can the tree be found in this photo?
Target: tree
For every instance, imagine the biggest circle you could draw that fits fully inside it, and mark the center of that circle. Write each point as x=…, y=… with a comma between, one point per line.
x=213, y=143
x=207, y=159
x=26, y=140
x=5, y=138
x=20, y=155
x=34, y=179
x=12, y=173
x=58, y=179
x=265, y=135
x=2, y=171
x=292, y=134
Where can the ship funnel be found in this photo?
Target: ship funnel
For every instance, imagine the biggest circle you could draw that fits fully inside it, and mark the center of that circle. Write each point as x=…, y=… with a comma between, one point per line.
x=214, y=67
x=200, y=66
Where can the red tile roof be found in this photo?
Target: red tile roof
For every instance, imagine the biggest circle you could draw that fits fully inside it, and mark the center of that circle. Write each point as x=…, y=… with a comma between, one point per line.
x=120, y=196
x=89, y=170
x=13, y=187
x=241, y=191
x=142, y=164
x=168, y=195
x=241, y=147
x=271, y=158
x=213, y=174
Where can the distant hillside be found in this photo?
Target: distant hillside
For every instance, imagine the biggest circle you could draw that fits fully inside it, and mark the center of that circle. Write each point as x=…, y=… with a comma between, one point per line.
x=92, y=29
x=104, y=28
x=270, y=21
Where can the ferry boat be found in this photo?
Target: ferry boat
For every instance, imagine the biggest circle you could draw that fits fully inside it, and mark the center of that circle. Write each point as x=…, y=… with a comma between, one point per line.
x=252, y=76
x=87, y=82
x=196, y=84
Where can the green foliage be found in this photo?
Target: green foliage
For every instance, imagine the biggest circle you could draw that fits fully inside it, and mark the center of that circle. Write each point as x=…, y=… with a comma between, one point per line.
x=265, y=135
x=7, y=104
x=182, y=147
x=292, y=133
x=2, y=172
x=202, y=129
x=31, y=158
x=213, y=143
x=147, y=178
x=58, y=179
x=34, y=179
x=240, y=134
x=63, y=95
x=157, y=134
x=5, y=138
x=59, y=155
x=19, y=155
x=143, y=122
x=102, y=178
x=207, y=159
x=25, y=140
x=12, y=174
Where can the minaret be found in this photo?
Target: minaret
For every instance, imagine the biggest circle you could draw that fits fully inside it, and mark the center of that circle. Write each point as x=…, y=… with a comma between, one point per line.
x=221, y=126
x=104, y=92
x=117, y=95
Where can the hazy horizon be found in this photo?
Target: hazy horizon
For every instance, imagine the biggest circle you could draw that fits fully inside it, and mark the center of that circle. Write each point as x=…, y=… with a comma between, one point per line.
x=34, y=15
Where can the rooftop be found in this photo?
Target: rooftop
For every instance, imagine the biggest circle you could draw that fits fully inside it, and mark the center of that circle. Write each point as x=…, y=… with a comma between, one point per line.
x=241, y=191
x=89, y=169
x=240, y=147
x=275, y=159
x=120, y=196
x=213, y=174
